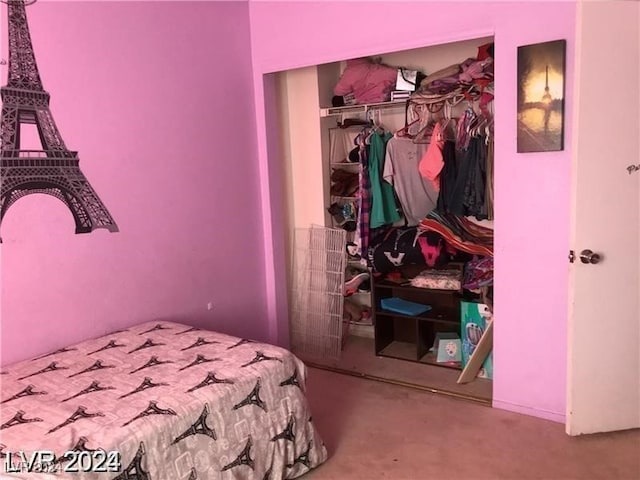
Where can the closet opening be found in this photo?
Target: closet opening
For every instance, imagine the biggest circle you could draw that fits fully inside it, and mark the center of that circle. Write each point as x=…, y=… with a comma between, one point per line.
x=403, y=175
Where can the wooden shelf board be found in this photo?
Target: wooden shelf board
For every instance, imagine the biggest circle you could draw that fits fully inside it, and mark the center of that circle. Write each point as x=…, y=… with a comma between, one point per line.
x=400, y=286
x=427, y=316
x=341, y=196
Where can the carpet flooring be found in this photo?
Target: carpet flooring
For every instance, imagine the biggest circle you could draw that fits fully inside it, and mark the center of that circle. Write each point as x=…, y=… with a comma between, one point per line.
x=358, y=357
x=375, y=430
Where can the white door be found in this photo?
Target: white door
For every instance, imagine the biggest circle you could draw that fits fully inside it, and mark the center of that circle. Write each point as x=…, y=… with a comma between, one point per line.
x=603, y=390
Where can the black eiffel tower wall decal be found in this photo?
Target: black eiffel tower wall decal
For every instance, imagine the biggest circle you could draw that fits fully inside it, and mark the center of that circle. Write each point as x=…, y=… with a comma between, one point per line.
x=55, y=169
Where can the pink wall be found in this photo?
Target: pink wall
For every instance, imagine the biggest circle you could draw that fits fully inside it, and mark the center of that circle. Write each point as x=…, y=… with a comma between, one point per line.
x=156, y=97
x=532, y=190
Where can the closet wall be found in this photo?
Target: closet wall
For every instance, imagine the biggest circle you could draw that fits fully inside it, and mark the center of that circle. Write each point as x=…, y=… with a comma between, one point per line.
x=532, y=190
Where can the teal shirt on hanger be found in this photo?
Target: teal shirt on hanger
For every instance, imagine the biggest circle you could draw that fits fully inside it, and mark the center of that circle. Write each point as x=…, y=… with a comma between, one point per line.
x=383, y=203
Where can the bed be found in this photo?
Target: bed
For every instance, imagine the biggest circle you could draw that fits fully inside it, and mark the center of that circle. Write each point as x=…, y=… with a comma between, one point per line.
x=162, y=401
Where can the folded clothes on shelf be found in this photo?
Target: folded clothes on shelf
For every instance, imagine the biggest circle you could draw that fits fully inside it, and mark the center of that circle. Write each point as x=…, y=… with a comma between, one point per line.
x=438, y=279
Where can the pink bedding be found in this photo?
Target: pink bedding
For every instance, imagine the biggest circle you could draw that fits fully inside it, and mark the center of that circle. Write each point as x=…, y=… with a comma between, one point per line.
x=166, y=401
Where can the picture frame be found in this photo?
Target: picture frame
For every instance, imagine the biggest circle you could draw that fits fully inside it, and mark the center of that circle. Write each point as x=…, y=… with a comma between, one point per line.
x=541, y=92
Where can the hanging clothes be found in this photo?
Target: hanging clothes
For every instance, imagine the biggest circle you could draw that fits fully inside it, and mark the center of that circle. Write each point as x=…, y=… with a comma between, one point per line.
x=416, y=194
x=432, y=162
x=489, y=194
x=464, y=176
x=448, y=177
x=364, y=198
x=383, y=204
x=475, y=186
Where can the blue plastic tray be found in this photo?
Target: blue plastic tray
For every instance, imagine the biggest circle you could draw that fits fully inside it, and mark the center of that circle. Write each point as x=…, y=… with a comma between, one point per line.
x=398, y=305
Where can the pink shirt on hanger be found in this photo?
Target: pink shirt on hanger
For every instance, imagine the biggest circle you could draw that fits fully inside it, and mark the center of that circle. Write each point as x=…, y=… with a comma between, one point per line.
x=432, y=161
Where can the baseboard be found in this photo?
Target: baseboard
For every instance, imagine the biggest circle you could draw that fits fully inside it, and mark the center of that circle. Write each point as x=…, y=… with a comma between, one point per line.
x=533, y=412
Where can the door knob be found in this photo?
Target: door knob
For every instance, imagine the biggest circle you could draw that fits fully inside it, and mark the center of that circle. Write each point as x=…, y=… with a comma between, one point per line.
x=587, y=256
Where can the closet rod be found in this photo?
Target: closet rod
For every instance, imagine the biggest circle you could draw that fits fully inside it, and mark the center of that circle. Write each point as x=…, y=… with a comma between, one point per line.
x=363, y=108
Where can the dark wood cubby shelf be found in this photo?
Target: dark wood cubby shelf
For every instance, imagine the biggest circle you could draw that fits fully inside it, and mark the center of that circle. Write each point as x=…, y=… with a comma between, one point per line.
x=409, y=337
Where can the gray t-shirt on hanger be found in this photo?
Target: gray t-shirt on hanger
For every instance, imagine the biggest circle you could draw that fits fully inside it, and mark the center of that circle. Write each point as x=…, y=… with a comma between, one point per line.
x=416, y=194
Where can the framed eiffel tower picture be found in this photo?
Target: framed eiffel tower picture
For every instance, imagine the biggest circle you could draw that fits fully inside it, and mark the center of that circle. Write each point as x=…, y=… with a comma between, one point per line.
x=52, y=169
x=541, y=72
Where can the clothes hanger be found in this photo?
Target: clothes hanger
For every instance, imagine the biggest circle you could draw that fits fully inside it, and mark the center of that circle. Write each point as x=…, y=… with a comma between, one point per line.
x=363, y=136
x=477, y=122
x=405, y=131
x=378, y=122
x=480, y=125
x=449, y=127
x=455, y=99
x=376, y=126
x=444, y=122
x=419, y=120
x=435, y=107
x=490, y=127
x=424, y=133
x=488, y=131
x=465, y=127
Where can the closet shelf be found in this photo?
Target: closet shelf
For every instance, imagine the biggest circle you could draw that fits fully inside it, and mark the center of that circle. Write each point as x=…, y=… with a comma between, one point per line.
x=364, y=108
x=344, y=198
x=427, y=316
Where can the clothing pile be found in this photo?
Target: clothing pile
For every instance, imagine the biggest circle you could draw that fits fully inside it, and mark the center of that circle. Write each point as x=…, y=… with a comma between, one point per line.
x=364, y=81
x=460, y=232
x=478, y=71
x=478, y=273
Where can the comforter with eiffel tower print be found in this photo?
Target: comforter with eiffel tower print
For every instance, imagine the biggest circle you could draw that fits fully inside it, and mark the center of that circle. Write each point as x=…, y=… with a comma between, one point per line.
x=158, y=401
